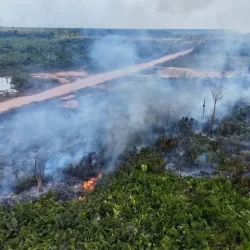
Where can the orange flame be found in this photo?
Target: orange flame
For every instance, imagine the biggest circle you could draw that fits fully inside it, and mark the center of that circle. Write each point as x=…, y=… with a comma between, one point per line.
x=82, y=197
x=91, y=183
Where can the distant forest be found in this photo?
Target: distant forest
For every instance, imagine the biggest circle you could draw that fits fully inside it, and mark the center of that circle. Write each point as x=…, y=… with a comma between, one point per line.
x=48, y=49
x=58, y=32
x=224, y=54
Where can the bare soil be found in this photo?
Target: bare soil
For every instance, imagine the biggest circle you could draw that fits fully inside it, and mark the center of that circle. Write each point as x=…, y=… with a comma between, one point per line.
x=68, y=97
x=83, y=83
x=63, y=76
x=192, y=72
x=70, y=104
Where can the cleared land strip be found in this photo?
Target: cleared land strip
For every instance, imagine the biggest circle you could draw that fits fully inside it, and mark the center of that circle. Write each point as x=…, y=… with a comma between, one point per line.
x=83, y=83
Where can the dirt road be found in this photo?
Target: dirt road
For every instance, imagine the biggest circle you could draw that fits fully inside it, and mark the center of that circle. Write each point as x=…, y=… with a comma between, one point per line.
x=83, y=83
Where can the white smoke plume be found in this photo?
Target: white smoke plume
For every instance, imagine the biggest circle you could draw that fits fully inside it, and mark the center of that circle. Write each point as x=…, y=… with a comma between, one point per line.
x=116, y=120
x=113, y=119
x=198, y=14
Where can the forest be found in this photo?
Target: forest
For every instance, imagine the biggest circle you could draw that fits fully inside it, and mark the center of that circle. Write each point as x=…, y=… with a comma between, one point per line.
x=224, y=54
x=142, y=162
x=30, y=51
x=152, y=199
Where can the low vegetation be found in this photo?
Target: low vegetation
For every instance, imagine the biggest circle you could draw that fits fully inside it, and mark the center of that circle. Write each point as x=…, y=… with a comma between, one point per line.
x=36, y=50
x=141, y=207
x=24, y=82
x=218, y=54
x=146, y=201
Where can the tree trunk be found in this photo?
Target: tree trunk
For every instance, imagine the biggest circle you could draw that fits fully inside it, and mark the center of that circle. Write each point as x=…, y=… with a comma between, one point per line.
x=212, y=120
x=39, y=185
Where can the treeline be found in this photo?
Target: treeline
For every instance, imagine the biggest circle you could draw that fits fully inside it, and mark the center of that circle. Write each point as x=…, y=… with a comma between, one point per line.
x=43, y=53
x=218, y=54
x=58, y=32
x=39, y=54
x=88, y=32
x=227, y=47
x=214, y=62
x=42, y=33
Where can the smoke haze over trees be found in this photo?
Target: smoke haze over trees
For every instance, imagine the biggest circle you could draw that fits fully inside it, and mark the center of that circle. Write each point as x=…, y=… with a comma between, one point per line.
x=220, y=14
x=141, y=142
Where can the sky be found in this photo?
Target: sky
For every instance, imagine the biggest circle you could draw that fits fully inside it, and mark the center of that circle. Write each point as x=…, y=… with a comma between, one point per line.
x=185, y=14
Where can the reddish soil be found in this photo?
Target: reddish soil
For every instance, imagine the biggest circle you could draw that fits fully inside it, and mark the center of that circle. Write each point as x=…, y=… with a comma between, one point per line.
x=192, y=72
x=70, y=104
x=62, y=76
x=68, y=97
x=83, y=83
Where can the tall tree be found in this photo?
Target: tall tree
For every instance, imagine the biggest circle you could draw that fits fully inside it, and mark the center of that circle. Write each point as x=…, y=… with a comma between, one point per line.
x=217, y=91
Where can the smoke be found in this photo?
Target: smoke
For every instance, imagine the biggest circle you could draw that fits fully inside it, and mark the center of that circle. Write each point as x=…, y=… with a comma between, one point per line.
x=116, y=120
x=124, y=116
x=220, y=14
x=113, y=52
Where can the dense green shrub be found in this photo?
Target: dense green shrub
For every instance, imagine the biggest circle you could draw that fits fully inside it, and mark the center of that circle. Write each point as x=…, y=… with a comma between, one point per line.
x=165, y=144
x=20, y=81
x=148, y=157
x=60, y=52
x=134, y=210
x=24, y=183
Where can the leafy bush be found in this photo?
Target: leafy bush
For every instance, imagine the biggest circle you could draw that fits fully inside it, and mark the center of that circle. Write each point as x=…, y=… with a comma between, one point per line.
x=165, y=144
x=89, y=166
x=25, y=183
x=236, y=169
x=136, y=210
x=20, y=81
x=149, y=157
x=195, y=145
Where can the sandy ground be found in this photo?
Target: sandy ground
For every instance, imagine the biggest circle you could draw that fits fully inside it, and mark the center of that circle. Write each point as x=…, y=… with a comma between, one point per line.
x=83, y=83
x=70, y=104
x=192, y=72
x=62, y=76
x=68, y=97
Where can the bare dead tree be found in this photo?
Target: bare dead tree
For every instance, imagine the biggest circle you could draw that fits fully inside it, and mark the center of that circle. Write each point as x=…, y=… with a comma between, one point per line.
x=204, y=105
x=217, y=91
x=39, y=169
x=17, y=168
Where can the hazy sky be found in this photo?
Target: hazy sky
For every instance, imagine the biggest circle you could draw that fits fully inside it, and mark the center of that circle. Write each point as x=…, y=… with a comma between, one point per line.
x=228, y=14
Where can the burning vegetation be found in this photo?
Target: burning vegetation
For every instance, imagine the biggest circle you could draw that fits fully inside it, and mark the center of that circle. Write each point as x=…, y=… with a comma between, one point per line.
x=149, y=134
x=90, y=185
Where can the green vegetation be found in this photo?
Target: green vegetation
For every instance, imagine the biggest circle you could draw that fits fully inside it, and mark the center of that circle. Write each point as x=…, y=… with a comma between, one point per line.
x=216, y=62
x=237, y=123
x=20, y=81
x=48, y=49
x=23, y=82
x=42, y=53
x=24, y=183
x=139, y=207
x=218, y=54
